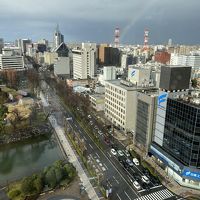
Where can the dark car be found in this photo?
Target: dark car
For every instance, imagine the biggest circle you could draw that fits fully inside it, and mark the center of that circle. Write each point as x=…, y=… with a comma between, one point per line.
x=146, y=186
x=121, y=159
x=136, y=177
x=125, y=164
x=145, y=172
x=155, y=181
x=114, y=146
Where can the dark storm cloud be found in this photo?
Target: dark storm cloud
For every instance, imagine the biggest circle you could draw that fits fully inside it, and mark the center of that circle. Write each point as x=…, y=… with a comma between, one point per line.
x=95, y=20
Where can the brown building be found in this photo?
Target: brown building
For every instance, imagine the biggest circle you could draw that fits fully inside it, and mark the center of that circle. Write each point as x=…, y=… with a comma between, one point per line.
x=162, y=57
x=108, y=55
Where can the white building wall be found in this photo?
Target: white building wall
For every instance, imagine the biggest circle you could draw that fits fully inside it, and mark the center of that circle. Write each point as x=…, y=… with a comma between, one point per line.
x=11, y=62
x=139, y=76
x=109, y=73
x=120, y=106
x=84, y=61
x=62, y=66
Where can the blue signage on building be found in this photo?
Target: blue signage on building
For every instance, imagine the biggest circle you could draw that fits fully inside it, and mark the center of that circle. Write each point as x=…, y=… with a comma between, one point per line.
x=194, y=175
x=162, y=99
x=133, y=73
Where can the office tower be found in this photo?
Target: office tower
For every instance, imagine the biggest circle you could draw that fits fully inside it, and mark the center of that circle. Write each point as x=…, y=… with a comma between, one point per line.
x=176, y=141
x=121, y=103
x=170, y=42
x=84, y=61
x=1, y=44
x=108, y=55
x=109, y=73
x=145, y=120
x=58, y=38
x=62, y=63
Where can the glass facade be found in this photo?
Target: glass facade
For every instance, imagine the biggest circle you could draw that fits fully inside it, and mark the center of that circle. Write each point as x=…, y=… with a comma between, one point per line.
x=182, y=132
x=142, y=122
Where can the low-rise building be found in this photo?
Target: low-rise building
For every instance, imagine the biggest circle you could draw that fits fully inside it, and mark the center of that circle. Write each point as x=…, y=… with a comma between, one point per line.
x=8, y=60
x=97, y=101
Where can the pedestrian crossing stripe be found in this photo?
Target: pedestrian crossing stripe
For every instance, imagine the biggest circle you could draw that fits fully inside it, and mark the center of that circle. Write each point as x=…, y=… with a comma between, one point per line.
x=159, y=195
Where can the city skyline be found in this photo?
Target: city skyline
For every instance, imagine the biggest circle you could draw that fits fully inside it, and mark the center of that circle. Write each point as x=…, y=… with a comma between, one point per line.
x=95, y=22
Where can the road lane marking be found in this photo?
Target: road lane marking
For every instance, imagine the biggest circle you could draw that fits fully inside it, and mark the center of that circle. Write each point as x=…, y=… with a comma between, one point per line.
x=97, y=155
x=105, y=166
x=91, y=146
x=104, y=154
x=84, y=138
x=142, y=190
x=156, y=186
x=127, y=195
x=119, y=197
x=116, y=180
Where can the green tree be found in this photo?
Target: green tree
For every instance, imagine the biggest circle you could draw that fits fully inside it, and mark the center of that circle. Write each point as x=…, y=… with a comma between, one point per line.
x=38, y=184
x=14, y=193
x=59, y=174
x=50, y=178
x=3, y=111
x=27, y=186
x=70, y=171
x=194, y=83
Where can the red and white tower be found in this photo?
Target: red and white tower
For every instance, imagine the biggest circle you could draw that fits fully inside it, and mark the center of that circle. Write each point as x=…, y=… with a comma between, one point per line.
x=146, y=39
x=117, y=35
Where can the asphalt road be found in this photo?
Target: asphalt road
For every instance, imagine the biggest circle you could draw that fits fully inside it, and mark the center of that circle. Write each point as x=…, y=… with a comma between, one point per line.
x=114, y=174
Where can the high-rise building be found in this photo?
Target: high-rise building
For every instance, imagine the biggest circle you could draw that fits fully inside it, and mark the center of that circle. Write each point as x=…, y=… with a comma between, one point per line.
x=192, y=60
x=126, y=60
x=169, y=42
x=58, y=38
x=108, y=55
x=84, y=61
x=145, y=120
x=176, y=140
x=1, y=44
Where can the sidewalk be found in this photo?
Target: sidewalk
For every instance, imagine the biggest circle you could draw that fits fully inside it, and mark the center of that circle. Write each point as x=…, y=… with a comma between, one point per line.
x=71, y=155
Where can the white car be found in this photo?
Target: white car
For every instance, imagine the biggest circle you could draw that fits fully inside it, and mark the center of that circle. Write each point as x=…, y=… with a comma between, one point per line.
x=127, y=153
x=120, y=153
x=145, y=179
x=113, y=152
x=100, y=132
x=135, y=161
x=136, y=185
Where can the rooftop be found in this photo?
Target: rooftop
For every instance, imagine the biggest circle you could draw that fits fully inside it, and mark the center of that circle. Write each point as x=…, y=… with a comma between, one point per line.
x=131, y=86
x=193, y=99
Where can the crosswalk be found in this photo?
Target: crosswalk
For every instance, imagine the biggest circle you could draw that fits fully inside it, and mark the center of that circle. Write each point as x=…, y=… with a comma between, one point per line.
x=159, y=195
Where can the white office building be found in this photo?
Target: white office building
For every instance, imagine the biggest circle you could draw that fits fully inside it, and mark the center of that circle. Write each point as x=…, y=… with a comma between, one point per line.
x=192, y=60
x=8, y=60
x=84, y=61
x=120, y=104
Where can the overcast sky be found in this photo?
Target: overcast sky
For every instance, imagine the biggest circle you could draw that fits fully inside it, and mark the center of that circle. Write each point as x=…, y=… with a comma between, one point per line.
x=95, y=20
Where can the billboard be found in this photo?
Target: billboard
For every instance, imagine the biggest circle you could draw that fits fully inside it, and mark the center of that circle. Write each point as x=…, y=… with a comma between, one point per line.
x=162, y=100
x=133, y=72
x=190, y=174
x=160, y=117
